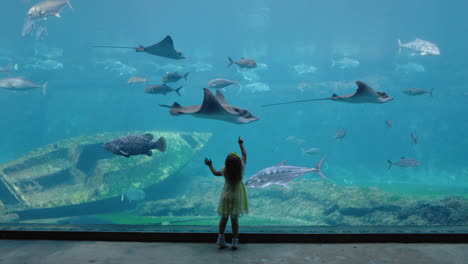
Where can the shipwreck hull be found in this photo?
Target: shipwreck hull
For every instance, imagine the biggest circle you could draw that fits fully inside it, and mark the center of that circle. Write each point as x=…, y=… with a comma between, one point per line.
x=79, y=170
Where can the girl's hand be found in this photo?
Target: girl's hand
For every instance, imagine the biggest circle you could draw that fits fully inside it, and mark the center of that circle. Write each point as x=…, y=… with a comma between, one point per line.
x=240, y=140
x=208, y=162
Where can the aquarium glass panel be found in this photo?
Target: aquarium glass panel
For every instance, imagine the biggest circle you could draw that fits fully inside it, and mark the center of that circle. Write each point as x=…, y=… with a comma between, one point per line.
x=349, y=113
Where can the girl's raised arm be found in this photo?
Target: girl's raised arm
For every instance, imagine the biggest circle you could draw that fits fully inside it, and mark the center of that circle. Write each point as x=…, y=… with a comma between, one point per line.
x=209, y=163
x=244, y=153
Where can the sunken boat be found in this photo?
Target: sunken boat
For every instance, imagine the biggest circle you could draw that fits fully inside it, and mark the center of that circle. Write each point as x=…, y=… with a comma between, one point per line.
x=80, y=171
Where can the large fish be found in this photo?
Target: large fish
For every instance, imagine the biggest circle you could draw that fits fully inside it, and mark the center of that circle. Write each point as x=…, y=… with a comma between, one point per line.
x=364, y=94
x=164, y=48
x=422, y=47
x=173, y=77
x=404, y=163
x=243, y=63
x=135, y=145
x=214, y=107
x=21, y=84
x=281, y=174
x=48, y=8
x=161, y=89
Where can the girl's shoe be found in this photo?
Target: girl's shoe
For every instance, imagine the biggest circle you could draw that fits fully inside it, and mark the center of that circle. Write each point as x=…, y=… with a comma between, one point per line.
x=221, y=242
x=235, y=243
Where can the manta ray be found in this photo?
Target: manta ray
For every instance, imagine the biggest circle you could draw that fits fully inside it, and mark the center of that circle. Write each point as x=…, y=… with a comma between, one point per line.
x=164, y=48
x=364, y=94
x=214, y=107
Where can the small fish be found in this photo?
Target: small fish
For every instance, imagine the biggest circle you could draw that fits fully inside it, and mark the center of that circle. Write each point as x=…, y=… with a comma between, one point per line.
x=6, y=69
x=410, y=67
x=173, y=77
x=414, y=138
x=28, y=28
x=340, y=134
x=304, y=69
x=137, y=79
x=345, y=63
x=417, y=91
x=311, y=151
x=135, y=145
x=281, y=174
x=21, y=84
x=221, y=83
x=404, y=163
x=41, y=33
x=243, y=63
x=422, y=47
x=389, y=123
x=48, y=8
x=295, y=140
x=161, y=89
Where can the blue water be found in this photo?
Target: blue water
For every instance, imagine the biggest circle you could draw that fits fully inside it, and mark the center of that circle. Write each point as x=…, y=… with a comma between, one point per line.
x=85, y=98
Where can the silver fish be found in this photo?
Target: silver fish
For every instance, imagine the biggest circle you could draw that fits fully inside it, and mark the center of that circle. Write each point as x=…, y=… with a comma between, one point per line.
x=417, y=91
x=404, y=163
x=281, y=174
x=161, y=89
x=135, y=145
x=345, y=63
x=221, y=83
x=28, y=28
x=48, y=8
x=173, y=77
x=389, y=123
x=41, y=33
x=137, y=79
x=21, y=84
x=410, y=67
x=414, y=138
x=423, y=47
x=6, y=69
x=243, y=63
x=311, y=151
x=340, y=134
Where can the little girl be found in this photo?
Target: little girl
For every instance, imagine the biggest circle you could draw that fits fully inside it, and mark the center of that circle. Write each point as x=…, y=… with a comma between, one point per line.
x=233, y=200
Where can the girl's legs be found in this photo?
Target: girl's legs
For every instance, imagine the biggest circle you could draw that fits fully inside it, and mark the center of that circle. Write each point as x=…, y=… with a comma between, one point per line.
x=222, y=224
x=235, y=226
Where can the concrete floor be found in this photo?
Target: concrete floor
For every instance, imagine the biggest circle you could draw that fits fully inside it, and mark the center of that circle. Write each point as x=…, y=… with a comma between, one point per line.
x=51, y=252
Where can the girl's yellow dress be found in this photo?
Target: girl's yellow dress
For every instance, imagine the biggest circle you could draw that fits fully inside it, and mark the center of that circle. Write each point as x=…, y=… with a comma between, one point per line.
x=233, y=200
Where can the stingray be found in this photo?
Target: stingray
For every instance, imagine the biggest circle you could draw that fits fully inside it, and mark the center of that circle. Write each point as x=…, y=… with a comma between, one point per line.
x=164, y=48
x=364, y=94
x=214, y=107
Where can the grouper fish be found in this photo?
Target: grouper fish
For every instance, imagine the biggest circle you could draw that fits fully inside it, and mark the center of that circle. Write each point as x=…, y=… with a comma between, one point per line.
x=281, y=174
x=135, y=145
x=48, y=8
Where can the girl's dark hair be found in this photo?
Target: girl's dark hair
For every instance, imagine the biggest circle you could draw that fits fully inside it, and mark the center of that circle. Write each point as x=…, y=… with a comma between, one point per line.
x=233, y=169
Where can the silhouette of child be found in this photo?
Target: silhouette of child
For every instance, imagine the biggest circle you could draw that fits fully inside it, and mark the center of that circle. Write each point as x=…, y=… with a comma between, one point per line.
x=233, y=200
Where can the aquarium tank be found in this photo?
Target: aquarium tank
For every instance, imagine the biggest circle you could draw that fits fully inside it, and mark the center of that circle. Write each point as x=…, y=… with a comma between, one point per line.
x=352, y=113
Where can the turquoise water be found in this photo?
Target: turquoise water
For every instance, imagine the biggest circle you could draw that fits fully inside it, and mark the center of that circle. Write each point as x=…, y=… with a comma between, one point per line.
x=293, y=44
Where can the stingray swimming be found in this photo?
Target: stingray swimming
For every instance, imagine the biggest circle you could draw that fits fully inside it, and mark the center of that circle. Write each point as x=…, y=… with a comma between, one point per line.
x=164, y=48
x=214, y=107
x=364, y=94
